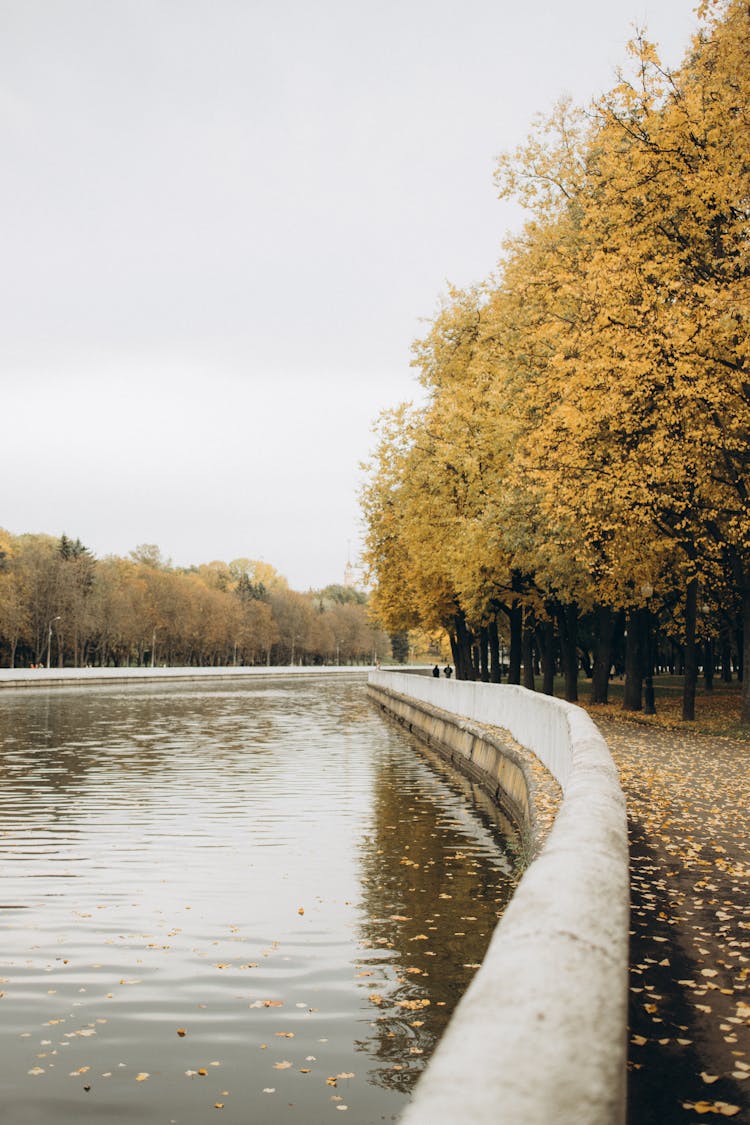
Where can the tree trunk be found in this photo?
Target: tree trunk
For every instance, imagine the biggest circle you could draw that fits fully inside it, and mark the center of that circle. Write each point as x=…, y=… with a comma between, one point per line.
x=462, y=654
x=647, y=640
x=708, y=664
x=567, y=620
x=584, y=657
x=632, y=699
x=484, y=654
x=690, y=679
x=547, y=631
x=527, y=648
x=605, y=635
x=494, y=643
x=516, y=628
x=746, y=650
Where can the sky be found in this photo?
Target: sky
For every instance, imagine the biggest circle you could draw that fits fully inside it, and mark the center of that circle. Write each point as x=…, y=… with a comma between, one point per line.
x=223, y=224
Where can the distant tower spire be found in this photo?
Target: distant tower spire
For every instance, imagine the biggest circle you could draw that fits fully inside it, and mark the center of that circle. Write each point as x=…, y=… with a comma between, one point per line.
x=349, y=578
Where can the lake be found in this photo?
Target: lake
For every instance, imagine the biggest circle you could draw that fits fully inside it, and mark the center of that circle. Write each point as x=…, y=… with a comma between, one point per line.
x=259, y=901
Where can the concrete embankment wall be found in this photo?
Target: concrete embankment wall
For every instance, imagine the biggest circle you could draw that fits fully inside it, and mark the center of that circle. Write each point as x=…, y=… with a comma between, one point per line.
x=540, y=1035
x=74, y=677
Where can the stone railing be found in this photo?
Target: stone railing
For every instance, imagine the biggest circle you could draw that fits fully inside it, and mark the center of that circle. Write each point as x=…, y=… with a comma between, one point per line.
x=540, y=1035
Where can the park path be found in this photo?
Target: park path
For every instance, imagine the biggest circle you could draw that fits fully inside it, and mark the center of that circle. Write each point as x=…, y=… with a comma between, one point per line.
x=688, y=798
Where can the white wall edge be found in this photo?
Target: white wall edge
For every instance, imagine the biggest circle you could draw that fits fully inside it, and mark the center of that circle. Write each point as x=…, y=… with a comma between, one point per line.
x=540, y=1034
x=71, y=677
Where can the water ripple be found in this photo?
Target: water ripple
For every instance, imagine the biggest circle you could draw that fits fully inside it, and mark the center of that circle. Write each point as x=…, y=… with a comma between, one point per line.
x=229, y=890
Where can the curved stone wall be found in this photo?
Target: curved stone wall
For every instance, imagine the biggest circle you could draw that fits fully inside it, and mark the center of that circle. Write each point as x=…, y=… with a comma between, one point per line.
x=540, y=1035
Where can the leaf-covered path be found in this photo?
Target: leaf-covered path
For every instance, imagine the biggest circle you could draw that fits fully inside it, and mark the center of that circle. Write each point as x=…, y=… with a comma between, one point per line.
x=689, y=827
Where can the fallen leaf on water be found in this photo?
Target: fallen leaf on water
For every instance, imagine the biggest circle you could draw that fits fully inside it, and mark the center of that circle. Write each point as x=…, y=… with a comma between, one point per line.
x=722, y=1108
x=142, y=1076
x=284, y=1065
x=181, y=1032
x=709, y=1078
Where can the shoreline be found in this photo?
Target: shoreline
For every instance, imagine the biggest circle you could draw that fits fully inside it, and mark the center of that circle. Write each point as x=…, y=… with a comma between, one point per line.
x=30, y=678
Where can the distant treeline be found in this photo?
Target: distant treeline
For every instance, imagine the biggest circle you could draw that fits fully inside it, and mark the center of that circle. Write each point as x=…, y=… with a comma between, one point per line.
x=61, y=606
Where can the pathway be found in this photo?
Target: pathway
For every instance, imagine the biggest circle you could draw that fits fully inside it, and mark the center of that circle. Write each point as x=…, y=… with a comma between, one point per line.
x=689, y=822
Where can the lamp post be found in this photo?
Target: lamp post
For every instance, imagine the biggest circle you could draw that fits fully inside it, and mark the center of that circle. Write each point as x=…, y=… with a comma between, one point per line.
x=49, y=637
x=708, y=655
x=649, y=706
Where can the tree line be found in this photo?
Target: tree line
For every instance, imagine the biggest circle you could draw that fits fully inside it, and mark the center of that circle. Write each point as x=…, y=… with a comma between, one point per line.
x=60, y=606
x=575, y=487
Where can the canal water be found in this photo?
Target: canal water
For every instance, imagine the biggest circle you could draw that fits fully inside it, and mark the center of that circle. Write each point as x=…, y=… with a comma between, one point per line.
x=260, y=902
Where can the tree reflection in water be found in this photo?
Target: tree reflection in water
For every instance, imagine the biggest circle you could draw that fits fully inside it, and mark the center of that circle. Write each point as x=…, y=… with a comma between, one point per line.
x=437, y=873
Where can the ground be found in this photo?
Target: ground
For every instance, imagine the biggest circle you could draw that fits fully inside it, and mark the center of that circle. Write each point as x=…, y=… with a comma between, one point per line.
x=687, y=796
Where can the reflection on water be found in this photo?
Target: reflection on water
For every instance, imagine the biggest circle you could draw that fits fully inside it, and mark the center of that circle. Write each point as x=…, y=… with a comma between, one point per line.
x=257, y=898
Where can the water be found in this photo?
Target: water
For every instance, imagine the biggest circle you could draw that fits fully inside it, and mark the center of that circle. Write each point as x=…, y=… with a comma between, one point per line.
x=259, y=901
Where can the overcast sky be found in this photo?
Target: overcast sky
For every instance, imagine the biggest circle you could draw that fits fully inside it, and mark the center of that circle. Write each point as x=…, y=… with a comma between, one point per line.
x=223, y=222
